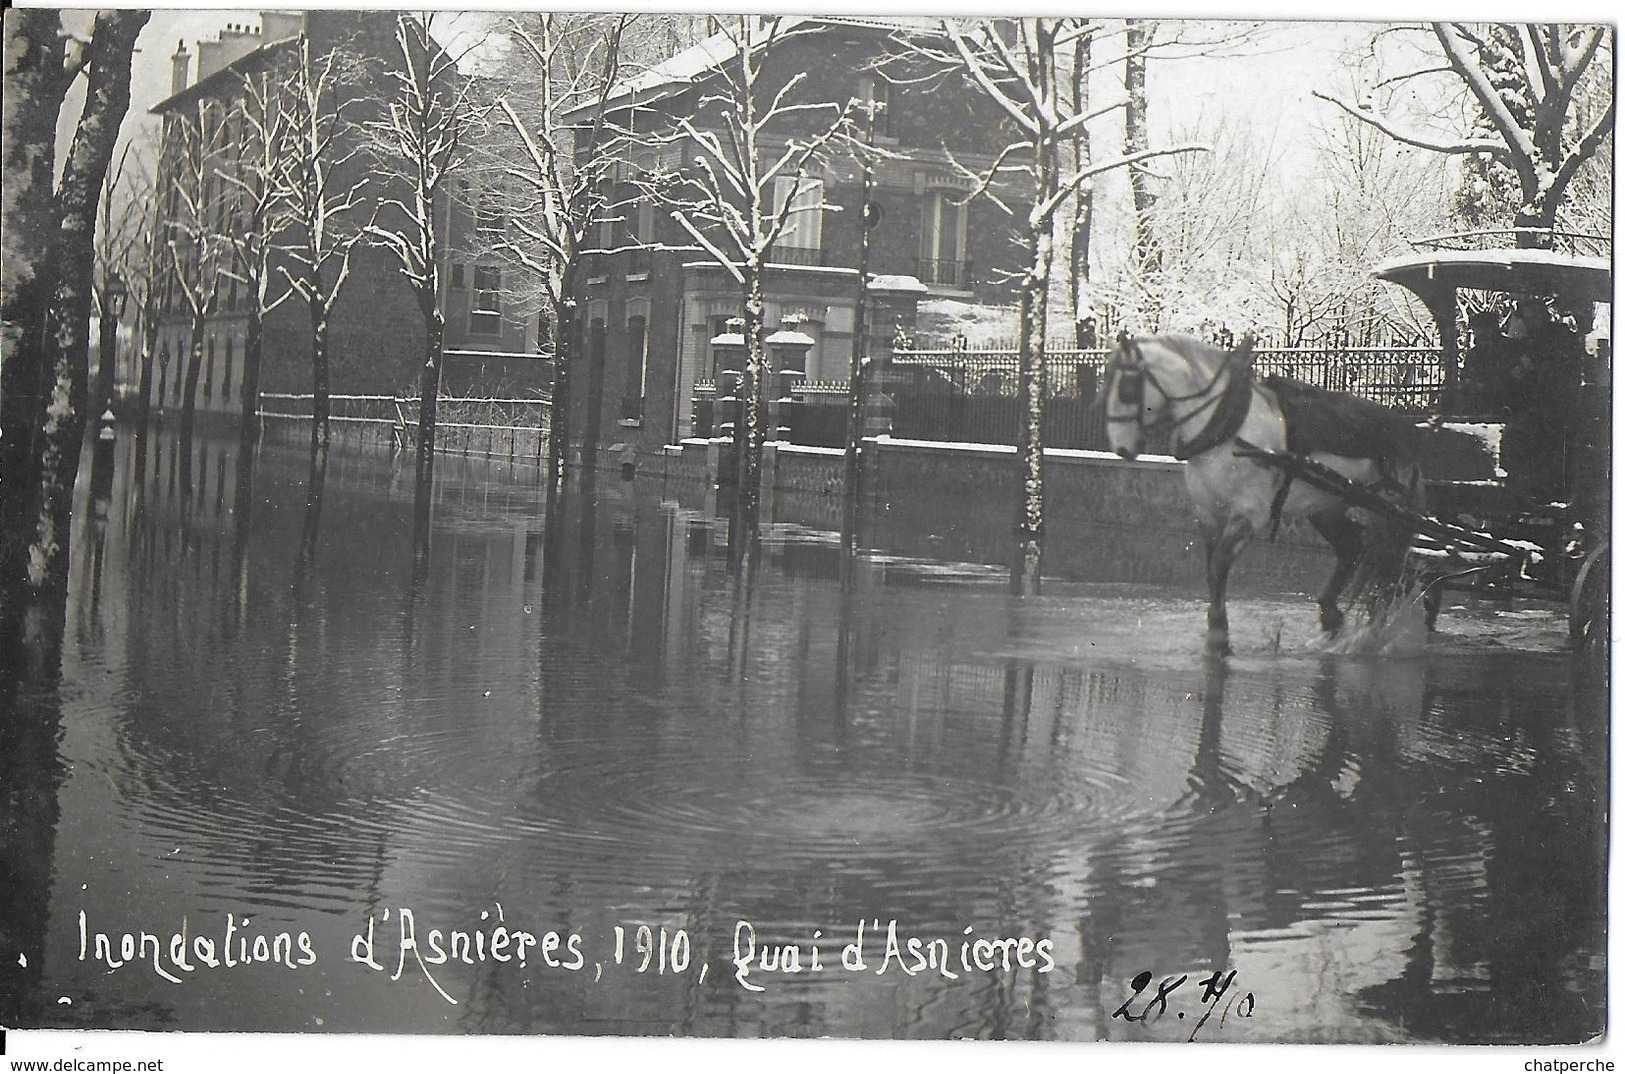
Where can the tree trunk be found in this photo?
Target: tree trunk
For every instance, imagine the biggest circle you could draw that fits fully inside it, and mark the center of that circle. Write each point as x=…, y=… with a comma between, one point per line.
x=1083, y=204
x=253, y=348
x=1034, y=316
x=320, y=392
x=106, y=358
x=64, y=354
x=1033, y=388
x=852, y=469
x=558, y=433
x=149, y=357
x=592, y=423
x=749, y=438
x=428, y=413
x=1147, y=252
x=1535, y=222
x=194, y=370
x=34, y=84
x=315, y=490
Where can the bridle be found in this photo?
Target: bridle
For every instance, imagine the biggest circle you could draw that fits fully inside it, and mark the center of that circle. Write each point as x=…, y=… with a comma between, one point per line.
x=1133, y=374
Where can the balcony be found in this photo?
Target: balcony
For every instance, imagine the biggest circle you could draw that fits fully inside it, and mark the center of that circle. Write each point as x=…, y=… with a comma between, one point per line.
x=934, y=272
x=805, y=256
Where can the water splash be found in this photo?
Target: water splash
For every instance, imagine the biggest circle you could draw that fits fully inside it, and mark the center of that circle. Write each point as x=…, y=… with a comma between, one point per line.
x=1398, y=629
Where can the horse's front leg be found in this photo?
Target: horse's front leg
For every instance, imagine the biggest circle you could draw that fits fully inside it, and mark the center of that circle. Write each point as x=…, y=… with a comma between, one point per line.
x=1223, y=544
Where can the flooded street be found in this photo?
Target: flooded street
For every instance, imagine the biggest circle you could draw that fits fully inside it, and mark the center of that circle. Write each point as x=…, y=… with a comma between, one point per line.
x=586, y=778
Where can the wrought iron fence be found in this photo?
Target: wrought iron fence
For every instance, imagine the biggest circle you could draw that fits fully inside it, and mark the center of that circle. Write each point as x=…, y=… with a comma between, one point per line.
x=966, y=395
x=971, y=395
x=1407, y=377
x=511, y=428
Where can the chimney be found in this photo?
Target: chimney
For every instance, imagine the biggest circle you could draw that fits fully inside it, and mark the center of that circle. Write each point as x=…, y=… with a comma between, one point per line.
x=230, y=45
x=279, y=25
x=179, y=66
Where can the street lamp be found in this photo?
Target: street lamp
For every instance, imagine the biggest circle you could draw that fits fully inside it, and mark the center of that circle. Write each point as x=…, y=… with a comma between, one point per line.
x=114, y=297
x=852, y=470
x=118, y=294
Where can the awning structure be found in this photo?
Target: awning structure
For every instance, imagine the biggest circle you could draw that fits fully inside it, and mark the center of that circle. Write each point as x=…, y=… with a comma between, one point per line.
x=1533, y=272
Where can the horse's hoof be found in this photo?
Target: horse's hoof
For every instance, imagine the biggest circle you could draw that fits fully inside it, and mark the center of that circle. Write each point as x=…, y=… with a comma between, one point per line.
x=1218, y=644
x=1331, y=621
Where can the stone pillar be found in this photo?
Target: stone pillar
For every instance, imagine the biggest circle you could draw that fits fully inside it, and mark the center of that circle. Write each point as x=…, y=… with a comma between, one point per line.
x=729, y=349
x=729, y=352
x=787, y=351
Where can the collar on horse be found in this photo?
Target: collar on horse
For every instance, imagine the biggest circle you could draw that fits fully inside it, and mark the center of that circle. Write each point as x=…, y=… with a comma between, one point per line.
x=1230, y=410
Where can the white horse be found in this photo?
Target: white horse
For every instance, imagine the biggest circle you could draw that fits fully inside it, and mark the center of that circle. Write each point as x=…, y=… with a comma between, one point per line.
x=1215, y=412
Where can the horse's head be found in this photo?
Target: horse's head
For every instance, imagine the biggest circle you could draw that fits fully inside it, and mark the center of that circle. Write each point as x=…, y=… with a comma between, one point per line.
x=1129, y=407
x=1162, y=382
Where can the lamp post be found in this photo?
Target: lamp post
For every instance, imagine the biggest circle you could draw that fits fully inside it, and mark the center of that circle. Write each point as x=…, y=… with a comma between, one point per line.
x=115, y=295
x=860, y=335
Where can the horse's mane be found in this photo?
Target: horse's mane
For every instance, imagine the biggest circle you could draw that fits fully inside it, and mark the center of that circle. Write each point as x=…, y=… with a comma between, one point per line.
x=1196, y=353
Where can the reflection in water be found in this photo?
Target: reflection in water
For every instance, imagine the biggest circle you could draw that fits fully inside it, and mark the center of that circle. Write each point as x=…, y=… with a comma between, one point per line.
x=584, y=718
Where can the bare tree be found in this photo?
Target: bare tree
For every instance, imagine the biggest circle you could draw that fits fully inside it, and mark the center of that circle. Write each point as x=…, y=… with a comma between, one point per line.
x=1522, y=80
x=557, y=179
x=1080, y=230
x=256, y=214
x=1210, y=217
x=752, y=135
x=1016, y=65
x=1137, y=36
x=196, y=200
x=418, y=137
x=146, y=274
x=318, y=194
x=117, y=236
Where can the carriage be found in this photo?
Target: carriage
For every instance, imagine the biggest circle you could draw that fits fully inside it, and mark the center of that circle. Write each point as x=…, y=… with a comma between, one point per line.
x=1515, y=448
x=1532, y=519
x=1549, y=493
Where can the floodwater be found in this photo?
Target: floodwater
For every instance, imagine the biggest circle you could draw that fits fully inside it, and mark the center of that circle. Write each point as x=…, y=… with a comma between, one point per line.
x=585, y=777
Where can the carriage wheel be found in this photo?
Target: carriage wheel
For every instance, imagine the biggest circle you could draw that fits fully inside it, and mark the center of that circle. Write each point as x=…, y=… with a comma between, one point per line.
x=1588, y=606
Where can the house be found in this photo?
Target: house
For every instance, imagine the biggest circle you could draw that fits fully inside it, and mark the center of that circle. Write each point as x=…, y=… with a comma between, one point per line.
x=376, y=330
x=655, y=303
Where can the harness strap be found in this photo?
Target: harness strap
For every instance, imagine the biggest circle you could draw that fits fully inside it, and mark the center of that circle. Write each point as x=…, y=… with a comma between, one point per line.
x=1277, y=502
x=1228, y=414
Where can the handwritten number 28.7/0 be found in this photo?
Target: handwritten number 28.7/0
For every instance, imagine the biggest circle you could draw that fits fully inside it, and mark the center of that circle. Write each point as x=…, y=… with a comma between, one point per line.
x=1214, y=987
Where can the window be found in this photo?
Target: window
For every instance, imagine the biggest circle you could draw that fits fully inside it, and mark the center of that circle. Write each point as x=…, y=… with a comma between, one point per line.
x=459, y=276
x=231, y=347
x=643, y=237
x=942, y=240
x=485, y=314
x=875, y=93
x=637, y=368
x=163, y=371
x=803, y=235
x=208, y=371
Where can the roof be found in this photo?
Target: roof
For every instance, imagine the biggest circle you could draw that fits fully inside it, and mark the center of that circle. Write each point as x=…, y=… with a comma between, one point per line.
x=685, y=68
x=222, y=79
x=1514, y=271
